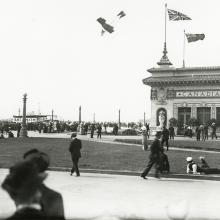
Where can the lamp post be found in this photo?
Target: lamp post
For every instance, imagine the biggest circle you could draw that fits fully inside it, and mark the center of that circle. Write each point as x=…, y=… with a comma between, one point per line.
x=52, y=116
x=80, y=114
x=23, y=133
x=94, y=118
x=119, y=118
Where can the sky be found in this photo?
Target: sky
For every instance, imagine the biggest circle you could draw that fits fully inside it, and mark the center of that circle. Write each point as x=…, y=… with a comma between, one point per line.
x=53, y=51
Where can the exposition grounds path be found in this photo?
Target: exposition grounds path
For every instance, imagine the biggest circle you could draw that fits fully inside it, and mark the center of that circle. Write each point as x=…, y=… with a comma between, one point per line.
x=103, y=196
x=111, y=196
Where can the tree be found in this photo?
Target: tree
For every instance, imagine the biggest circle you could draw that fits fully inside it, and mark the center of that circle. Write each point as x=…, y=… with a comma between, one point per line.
x=210, y=121
x=173, y=122
x=193, y=121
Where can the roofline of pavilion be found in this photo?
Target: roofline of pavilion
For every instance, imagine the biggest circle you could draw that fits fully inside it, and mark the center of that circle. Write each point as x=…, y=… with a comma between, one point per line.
x=182, y=69
x=182, y=82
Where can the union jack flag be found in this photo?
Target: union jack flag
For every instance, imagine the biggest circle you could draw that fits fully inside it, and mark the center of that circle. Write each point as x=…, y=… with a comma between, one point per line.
x=176, y=16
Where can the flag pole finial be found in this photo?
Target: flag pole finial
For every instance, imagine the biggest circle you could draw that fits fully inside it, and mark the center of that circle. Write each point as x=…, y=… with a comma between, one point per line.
x=184, y=47
x=164, y=60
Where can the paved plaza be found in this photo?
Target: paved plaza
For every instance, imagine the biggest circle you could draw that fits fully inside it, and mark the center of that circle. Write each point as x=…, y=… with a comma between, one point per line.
x=103, y=196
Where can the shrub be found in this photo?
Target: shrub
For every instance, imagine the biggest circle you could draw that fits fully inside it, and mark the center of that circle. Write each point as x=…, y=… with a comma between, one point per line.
x=193, y=121
x=173, y=122
x=129, y=132
x=210, y=121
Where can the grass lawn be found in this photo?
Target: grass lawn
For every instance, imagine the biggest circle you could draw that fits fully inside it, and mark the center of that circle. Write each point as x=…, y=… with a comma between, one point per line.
x=95, y=155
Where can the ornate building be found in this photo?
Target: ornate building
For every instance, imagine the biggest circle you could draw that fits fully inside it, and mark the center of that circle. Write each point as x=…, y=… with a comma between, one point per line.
x=184, y=93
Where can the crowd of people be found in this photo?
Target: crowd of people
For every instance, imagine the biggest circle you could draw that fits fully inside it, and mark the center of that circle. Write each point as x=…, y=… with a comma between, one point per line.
x=34, y=200
x=158, y=158
x=201, y=131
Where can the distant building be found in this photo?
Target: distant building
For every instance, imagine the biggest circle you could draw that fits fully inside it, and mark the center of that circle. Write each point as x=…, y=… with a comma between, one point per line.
x=184, y=93
x=33, y=118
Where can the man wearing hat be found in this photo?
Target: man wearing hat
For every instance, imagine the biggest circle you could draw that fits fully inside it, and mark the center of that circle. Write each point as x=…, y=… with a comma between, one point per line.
x=144, y=137
x=51, y=201
x=23, y=185
x=213, y=133
x=204, y=163
x=74, y=149
x=154, y=157
x=192, y=167
x=165, y=137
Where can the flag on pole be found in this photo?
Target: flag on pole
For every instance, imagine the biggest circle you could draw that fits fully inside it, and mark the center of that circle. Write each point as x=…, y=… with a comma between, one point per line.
x=194, y=37
x=176, y=16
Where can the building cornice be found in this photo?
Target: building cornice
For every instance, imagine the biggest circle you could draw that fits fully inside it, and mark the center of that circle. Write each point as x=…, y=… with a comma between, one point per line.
x=182, y=80
x=183, y=69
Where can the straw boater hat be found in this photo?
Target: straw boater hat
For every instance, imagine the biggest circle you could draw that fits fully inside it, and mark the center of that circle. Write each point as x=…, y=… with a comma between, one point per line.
x=143, y=128
x=201, y=158
x=188, y=159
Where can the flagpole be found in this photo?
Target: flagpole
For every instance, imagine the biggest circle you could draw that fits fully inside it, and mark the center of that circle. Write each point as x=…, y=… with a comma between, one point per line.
x=165, y=42
x=164, y=60
x=184, y=45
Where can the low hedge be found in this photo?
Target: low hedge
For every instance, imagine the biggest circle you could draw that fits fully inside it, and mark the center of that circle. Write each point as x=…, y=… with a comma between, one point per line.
x=210, y=145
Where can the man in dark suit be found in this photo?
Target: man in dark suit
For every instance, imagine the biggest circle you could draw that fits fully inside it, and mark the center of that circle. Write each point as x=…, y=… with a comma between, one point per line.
x=51, y=201
x=154, y=157
x=74, y=149
x=165, y=137
x=92, y=128
x=23, y=185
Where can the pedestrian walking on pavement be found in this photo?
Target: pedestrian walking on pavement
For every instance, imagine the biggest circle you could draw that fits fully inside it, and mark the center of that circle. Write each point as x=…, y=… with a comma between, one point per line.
x=206, y=132
x=213, y=133
x=198, y=133
x=144, y=137
x=74, y=149
x=171, y=132
x=165, y=137
x=99, y=131
x=154, y=157
x=92, y=129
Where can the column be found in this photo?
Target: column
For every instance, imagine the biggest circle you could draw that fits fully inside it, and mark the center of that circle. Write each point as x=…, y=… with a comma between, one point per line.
x=80, y=114
x=23, y=132
x=119, y=118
